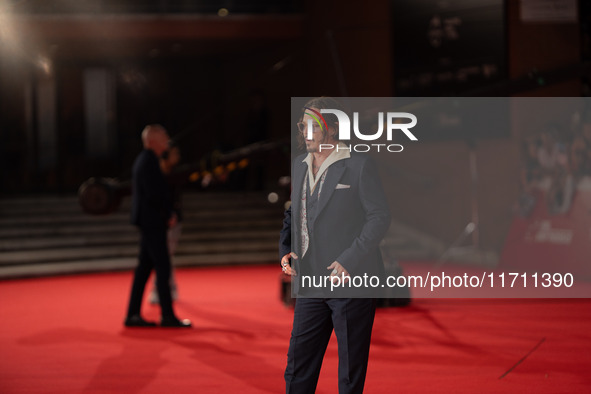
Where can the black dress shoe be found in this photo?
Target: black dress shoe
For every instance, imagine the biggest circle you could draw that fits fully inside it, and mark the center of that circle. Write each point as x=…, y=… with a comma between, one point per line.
x=174, y=322
x=137, y=321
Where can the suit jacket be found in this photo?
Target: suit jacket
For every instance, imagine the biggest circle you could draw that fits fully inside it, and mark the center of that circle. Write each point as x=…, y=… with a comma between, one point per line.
x=151, y=199
x=352, y=218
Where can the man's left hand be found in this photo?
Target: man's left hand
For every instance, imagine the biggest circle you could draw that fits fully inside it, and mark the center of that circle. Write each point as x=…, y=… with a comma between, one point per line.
x=338, y=271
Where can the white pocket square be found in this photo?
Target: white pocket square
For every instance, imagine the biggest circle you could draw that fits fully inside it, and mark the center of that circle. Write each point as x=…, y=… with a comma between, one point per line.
x=341, y=186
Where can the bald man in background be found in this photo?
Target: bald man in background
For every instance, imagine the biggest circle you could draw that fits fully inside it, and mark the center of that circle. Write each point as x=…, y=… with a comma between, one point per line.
x=152, y=212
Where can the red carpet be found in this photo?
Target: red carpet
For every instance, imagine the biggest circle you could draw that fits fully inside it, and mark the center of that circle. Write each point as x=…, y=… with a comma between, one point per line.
x=65, y=335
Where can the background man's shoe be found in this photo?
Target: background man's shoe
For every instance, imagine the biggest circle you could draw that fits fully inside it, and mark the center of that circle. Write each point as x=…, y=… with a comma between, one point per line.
x=174, y=322
x=137, y=321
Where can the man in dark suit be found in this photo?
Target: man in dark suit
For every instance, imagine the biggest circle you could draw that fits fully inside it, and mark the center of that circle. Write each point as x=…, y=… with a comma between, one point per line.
x=152, y=212
x=338, y=216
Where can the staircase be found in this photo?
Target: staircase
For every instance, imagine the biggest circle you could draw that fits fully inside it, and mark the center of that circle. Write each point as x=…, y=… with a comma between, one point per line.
x=51, y=235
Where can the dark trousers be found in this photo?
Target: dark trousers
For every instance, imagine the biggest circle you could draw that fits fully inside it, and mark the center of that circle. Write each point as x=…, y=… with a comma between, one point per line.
x=313, y=322
x=153, y=255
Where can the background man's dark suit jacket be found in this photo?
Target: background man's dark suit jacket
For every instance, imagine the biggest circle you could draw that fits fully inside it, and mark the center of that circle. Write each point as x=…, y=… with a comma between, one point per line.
x=152, y=202
x=351, y=220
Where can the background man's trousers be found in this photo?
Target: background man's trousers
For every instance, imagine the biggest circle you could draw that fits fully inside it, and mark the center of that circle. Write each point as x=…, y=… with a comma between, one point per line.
x=153, y=255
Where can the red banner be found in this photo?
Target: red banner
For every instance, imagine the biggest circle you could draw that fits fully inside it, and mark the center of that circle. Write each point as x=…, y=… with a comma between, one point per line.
x=546, y=242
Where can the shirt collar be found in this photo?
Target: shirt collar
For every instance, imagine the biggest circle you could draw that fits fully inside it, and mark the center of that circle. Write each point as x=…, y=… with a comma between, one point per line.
x=340, y=153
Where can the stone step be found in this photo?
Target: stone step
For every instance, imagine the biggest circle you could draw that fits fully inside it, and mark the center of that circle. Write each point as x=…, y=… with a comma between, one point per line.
x=69, y=204
x=125, y=227
x=109, y=238
x=201, y=216
x=112, y=251
x=128, y=263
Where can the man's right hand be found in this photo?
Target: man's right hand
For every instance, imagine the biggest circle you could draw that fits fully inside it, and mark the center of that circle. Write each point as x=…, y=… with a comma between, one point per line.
x=286, y=266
